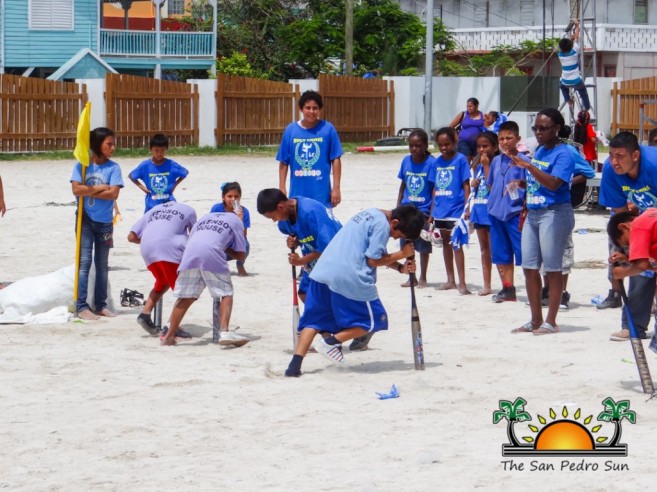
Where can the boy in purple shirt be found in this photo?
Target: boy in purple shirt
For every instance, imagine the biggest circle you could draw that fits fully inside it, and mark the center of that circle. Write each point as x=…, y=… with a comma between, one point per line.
x=214, y=238
x=162, y=235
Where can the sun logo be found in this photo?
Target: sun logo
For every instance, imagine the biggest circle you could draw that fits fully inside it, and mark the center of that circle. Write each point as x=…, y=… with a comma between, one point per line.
x=564, y=436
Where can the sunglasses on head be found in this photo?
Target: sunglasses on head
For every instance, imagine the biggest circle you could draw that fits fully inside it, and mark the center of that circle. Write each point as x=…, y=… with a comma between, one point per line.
x=542, y=128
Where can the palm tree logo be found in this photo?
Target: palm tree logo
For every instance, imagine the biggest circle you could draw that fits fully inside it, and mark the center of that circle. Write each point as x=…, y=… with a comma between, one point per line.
x=565, y=436
x=512, y=412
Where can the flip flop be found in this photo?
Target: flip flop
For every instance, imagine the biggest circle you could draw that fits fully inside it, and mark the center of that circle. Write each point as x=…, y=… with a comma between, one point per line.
x=526, y=328
x=546, y=329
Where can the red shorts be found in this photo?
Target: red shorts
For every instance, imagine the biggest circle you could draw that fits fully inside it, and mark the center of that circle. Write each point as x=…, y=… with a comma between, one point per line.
x=165, y=274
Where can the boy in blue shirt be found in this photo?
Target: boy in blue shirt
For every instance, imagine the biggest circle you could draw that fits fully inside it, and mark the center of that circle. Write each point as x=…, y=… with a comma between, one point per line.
x=159, y=176
x=311, y=148
x=505, y=208
x=342, y=299
x=629, y=179
x=306, y=222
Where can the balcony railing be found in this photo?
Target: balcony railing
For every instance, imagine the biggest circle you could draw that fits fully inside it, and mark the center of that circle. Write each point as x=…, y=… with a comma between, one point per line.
x=143, y=43
x=608, y=37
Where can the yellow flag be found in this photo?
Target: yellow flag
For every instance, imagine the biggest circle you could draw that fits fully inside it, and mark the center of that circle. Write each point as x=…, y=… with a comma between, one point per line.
x=82, y=143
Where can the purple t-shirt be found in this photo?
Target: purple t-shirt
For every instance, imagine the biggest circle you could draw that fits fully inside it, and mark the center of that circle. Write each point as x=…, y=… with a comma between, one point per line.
x=212, y=234
x=470, y=129
x=163, y=231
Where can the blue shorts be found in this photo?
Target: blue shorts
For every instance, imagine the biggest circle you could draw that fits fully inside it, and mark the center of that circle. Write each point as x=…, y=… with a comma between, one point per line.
x=545, y=235
x=329, y=311
x=303, y=283
x=505, y=241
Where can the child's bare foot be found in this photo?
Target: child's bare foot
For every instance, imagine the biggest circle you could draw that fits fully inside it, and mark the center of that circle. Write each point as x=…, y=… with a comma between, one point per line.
x=241, y=272
x=484, y=292
x=446, y=286
x=463, y=290
x=408, y=284
x=106, y=312
x=88, y=315
x=422, y=284
x=167, y=341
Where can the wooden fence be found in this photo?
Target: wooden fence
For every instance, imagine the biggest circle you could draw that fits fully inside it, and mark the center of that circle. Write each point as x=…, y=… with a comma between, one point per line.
x=627, y=98
x=38, y=115
x=138, y=107
x=360, y=109
x=253, y=111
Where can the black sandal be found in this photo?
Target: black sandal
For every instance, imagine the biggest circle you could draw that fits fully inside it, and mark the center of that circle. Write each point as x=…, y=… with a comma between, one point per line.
x=131, y=298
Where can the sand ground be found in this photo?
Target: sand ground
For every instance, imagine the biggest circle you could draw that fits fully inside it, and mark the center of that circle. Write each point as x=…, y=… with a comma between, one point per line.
x=101, y=406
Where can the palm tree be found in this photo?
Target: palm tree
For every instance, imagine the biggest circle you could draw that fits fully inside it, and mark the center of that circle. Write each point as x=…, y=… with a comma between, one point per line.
x=615, y=412
x=513, y=412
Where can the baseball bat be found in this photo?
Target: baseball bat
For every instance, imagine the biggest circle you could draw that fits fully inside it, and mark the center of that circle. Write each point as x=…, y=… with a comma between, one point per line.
x=295, y=307
x=637, y=346
x=416, y=328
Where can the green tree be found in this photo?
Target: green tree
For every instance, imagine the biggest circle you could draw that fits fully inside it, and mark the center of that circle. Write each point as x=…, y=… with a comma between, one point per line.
x=615, y=412
x=236, y=64
x=512, y=412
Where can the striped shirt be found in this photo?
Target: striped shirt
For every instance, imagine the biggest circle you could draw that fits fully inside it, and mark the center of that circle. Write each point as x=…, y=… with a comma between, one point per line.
x=570, y=66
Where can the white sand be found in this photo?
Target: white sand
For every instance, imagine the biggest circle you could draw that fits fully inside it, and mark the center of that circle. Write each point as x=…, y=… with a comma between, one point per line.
x=100, y=405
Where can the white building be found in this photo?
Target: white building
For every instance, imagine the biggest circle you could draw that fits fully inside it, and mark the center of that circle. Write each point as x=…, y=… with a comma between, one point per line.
x=625, y=30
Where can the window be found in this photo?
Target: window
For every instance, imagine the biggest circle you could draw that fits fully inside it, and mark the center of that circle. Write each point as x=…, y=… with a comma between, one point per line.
x=176, y=7
x=51, y=15
x=640, y=11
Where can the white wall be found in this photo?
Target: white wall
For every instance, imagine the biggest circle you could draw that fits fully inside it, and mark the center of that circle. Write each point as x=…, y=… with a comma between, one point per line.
x=96, y=96
x=207, y=111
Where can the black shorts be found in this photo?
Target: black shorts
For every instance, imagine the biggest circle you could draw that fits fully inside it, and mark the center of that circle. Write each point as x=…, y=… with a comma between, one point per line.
x=444, y=224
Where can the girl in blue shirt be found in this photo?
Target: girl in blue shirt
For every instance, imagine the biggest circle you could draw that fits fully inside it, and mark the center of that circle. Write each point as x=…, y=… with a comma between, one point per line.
x=477, y=208
x=451, y=192
x=417, y=183
x=231, y=193
x=549, y=220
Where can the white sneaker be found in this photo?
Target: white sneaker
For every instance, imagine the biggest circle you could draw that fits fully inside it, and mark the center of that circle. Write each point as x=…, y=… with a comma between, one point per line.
x=231, y=338
x=331, y=352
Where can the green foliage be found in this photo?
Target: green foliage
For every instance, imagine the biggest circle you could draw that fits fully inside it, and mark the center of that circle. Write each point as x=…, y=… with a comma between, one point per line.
x=288, y=39
x=237, y=64
x=502, y=60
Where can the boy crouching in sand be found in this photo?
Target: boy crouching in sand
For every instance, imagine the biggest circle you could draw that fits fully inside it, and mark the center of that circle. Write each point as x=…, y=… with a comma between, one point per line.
x=342, y=299
x=204, y=264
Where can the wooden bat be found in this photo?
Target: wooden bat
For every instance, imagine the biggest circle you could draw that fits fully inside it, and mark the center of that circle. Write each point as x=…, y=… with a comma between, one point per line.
x=416, y=328
x=295, y=307
x=637, y=347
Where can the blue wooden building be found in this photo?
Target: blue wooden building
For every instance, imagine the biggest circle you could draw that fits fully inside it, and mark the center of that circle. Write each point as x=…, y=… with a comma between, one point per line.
x=64, y=39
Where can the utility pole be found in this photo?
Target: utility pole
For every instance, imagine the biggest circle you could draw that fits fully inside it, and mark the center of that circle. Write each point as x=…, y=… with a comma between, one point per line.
x=428, y=69
x=349, y=37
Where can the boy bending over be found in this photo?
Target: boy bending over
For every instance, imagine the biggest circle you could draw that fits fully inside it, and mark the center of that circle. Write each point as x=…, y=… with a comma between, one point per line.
x=342, y=299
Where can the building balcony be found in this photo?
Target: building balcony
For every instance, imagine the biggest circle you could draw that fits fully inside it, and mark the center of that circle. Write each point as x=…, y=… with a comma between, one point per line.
x=173, y=44
x=608, y=37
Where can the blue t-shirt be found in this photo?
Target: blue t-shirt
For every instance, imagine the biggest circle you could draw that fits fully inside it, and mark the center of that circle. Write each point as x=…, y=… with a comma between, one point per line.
x=418, y=179
x=449, y=196
x=159, y=179
x=309, y=153
x=98, y=209
x=557, y=161
x=246, y=219
x=343, y=264
x=616, y=190
x=479, y=208
x=314, y=228
x=502, y=172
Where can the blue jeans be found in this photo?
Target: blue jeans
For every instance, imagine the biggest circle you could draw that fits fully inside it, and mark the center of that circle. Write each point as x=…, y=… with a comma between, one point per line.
x=96, y=237
x=545, y=235
x=640, y=295
x=581, y=90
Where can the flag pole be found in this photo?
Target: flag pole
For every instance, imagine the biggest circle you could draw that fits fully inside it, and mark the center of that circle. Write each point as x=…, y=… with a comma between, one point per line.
x=81, y=153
